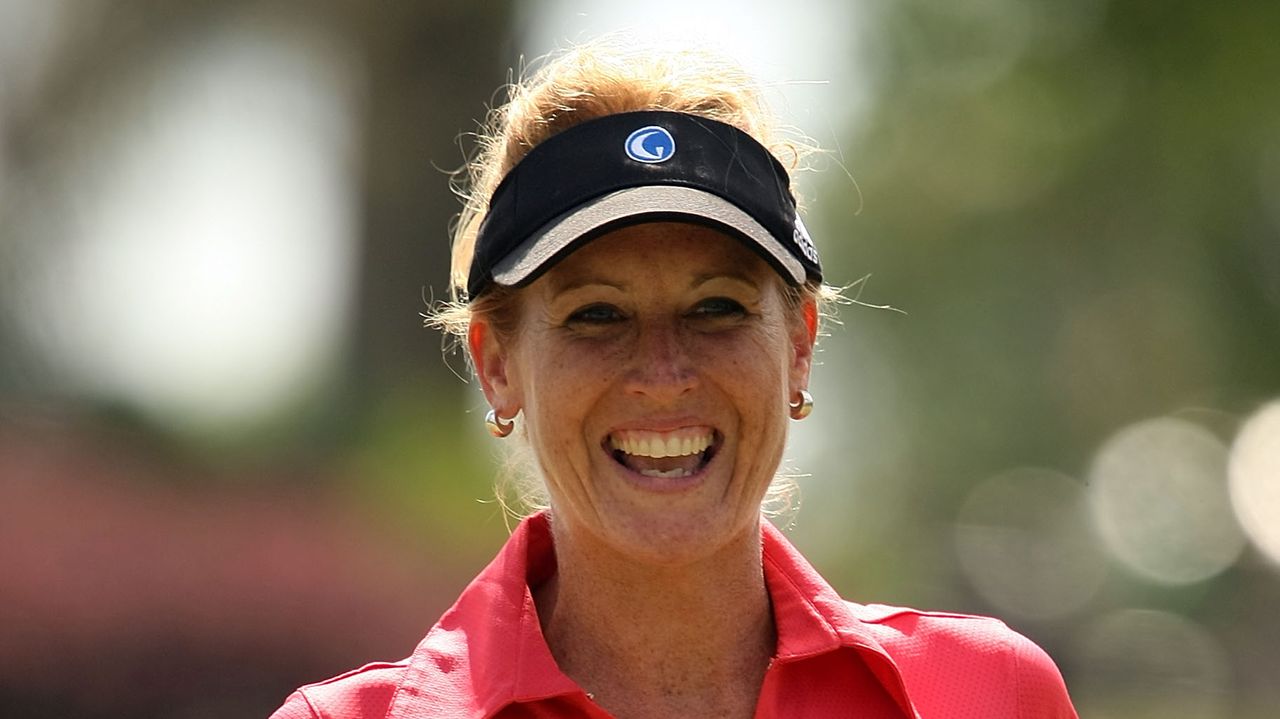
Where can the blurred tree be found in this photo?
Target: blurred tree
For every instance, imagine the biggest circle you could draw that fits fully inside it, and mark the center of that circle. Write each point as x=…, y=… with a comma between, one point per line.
x=424, y=68
x=1075, y=205
x=205, y=584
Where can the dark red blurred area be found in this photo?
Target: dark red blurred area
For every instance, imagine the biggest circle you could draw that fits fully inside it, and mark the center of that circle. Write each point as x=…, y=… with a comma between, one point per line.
x=125, y=592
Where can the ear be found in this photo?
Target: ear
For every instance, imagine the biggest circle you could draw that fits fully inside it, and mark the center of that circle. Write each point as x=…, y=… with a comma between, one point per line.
x=492, y=361
x=804, y=335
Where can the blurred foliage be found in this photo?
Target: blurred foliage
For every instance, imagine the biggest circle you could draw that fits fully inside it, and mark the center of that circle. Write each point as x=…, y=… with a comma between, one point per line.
x=1077, y=227
x=1075, y=205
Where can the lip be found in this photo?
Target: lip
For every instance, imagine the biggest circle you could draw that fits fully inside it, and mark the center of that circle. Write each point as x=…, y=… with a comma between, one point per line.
x=665, y=485
x=660, y=424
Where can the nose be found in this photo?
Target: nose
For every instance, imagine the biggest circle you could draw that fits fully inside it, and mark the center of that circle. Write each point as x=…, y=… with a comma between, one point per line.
x=661, y=368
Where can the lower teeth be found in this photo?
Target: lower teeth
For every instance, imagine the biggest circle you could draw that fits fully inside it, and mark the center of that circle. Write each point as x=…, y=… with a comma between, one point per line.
x=671, y=474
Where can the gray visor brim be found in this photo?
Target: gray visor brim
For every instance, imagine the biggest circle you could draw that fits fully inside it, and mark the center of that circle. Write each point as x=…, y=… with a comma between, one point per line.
x=542, y=249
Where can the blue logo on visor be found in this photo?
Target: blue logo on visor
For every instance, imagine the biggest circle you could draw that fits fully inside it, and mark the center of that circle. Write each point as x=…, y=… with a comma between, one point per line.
x=650, y=144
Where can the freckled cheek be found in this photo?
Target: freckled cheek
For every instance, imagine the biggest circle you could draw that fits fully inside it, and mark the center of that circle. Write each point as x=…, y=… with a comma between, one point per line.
x=567, y=383
x=752, y=373
x=745, y=360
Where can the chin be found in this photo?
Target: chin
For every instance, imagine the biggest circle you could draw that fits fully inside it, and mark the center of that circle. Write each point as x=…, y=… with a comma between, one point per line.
x=676, y=536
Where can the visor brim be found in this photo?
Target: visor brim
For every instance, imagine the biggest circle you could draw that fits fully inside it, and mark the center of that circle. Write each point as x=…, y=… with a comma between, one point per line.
x=635, y=205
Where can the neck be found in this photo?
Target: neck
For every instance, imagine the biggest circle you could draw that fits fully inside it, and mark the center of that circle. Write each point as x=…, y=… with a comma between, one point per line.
x=646, y=640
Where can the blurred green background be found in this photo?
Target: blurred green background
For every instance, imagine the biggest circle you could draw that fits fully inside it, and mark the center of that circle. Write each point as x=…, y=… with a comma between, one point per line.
x=232, y=461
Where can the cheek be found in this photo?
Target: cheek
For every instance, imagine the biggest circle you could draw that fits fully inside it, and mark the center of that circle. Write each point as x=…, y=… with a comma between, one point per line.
x=562, y=381
x=755, y=375
x=750, y=362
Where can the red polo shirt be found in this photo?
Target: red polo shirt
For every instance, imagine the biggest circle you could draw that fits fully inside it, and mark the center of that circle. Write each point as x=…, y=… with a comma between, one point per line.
x=486, y=658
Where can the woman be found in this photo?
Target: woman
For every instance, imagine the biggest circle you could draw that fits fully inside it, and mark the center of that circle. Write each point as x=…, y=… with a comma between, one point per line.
x=634, y=283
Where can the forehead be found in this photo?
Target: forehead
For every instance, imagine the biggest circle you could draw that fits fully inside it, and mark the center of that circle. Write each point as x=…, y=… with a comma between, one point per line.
x=657, y=253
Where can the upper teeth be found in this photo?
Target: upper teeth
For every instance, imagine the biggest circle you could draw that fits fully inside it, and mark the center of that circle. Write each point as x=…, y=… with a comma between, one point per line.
x=661, y=444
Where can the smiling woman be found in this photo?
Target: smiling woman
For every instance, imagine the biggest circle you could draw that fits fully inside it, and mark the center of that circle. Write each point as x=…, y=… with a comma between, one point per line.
x=651, y=337
x=633, y=281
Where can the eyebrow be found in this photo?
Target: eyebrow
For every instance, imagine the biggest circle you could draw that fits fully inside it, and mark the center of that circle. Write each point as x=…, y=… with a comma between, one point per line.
x=580, y=282
x=726, y=275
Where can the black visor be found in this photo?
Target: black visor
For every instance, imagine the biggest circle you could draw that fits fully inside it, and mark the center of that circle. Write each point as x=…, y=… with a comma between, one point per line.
x=632, y=168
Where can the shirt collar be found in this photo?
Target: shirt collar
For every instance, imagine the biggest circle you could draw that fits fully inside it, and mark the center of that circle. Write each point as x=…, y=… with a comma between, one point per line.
x=811, y=618
x=488, y=651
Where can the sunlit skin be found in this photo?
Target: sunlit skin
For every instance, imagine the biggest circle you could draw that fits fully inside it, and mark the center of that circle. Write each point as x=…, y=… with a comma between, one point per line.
x=659, y=330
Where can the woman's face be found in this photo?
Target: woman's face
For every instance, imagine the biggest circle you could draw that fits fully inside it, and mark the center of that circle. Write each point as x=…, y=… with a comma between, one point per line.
x=653, y=367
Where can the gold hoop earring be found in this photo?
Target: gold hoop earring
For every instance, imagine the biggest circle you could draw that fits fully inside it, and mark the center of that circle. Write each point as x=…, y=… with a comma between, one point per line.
x=802, y=408
x=498, y=426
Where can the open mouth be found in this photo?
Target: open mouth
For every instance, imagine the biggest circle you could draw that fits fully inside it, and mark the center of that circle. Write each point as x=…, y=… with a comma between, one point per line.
x=680, y=453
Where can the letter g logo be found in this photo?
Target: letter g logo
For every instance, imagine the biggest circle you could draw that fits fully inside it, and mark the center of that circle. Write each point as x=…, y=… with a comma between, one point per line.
x=650, y=144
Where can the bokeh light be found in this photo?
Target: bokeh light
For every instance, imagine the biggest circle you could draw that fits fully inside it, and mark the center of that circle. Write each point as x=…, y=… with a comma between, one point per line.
x=1151, y=665
x=1024, y=541
x=208, y=239
x=1159, y=496
x=1254, y=472
x=811, y=69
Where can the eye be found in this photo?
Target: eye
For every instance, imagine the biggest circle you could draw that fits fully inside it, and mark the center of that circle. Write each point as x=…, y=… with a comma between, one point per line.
x=718, y=307
x=597, y=314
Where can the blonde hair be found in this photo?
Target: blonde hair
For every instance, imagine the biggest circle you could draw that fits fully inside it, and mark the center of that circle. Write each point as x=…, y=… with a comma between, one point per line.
x=606, y=76
x=609, y=75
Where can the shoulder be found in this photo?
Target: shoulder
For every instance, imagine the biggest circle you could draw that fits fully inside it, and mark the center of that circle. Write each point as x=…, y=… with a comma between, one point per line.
x=967, y=660
x=940, y=633
x=364, y=693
